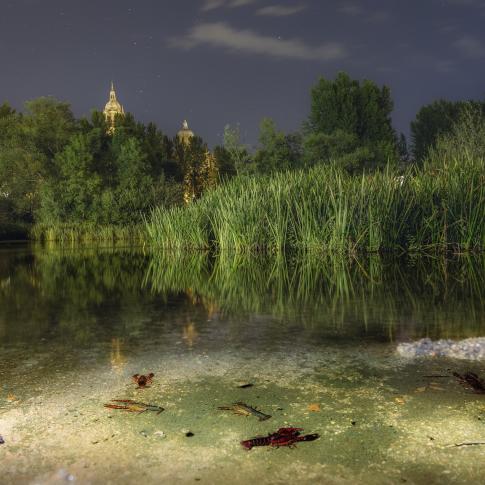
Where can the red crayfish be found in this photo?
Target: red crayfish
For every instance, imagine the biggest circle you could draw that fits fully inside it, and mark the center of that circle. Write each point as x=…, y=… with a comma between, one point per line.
x=143, y=381
x=282, y=437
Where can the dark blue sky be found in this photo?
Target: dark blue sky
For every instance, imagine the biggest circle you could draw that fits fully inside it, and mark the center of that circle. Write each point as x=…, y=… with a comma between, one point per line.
x=236, y=61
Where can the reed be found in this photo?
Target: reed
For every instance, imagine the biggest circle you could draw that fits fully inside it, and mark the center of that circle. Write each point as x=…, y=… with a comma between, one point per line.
x=436, y=208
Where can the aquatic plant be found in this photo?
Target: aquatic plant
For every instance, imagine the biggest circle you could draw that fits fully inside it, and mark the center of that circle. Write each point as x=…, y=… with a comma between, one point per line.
x=438, y=208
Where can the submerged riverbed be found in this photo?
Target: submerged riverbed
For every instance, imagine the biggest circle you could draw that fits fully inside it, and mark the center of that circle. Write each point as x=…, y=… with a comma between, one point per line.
x=317, y=338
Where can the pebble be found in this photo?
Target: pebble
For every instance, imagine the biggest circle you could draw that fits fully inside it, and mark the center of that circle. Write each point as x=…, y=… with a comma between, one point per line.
x=2, y=441
x=468, y=349
x=65, y=475
x=160, y=434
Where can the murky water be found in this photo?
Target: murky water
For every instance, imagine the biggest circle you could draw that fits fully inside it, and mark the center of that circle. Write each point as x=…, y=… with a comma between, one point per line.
x=315, y=337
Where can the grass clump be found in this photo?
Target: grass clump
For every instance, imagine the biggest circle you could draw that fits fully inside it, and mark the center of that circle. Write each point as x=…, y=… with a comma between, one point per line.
x=438, y=207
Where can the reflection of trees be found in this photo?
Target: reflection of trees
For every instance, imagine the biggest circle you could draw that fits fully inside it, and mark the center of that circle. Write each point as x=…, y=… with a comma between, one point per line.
x=81, y=296
x=75, y=295
x=409, y=296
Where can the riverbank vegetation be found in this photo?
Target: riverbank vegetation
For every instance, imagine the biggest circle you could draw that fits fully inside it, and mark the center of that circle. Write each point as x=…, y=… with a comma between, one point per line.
x=345, y=182
x=326, y=209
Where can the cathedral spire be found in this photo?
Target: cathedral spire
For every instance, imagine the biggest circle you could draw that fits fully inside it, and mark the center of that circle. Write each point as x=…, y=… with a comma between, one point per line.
x=112, y=109
x=112, y=93
x=185, y=134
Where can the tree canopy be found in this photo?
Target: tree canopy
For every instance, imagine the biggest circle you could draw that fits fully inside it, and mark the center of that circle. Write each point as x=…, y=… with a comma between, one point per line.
x=351, y=118
x=437, y=119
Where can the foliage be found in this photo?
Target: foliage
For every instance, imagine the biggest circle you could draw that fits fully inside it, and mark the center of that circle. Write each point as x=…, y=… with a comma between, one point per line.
x=198, y=167
x=58, y=172
x=277, y=151
x=354, y=120
x=237, y=150
x=435, y=120
x=326, y=209
x=464, y=141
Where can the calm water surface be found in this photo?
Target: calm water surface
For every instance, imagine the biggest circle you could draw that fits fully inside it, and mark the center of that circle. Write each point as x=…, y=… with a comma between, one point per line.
x=316, y=337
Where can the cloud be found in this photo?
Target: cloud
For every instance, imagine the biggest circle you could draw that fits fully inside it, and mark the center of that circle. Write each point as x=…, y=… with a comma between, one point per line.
x=470, y=47
x=220, y=34
x=351, y=9
x=356, y=10
x=213, y=4
x=280, y=10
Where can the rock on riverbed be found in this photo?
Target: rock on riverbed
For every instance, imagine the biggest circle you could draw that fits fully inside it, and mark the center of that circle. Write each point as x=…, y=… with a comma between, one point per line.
x=468, y=349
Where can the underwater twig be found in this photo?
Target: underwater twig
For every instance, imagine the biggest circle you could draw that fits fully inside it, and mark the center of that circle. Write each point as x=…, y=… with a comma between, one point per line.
x=470, y=443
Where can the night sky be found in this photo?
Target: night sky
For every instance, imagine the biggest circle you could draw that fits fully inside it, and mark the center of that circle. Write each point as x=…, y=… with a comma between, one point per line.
x=236, y=61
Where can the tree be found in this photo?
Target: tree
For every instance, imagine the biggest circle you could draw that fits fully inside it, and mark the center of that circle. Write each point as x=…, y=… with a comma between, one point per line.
x=74, y=195
x=224, y=162
x=277, y=151
x=49, y=124
x=237, y=150
x=323, y=148
x=195, y=165
x=402, y=148
x=463, y=144
x=434, y=120
x=346, y=109
x=134, y=188
x=21, y=176
x=21, y=167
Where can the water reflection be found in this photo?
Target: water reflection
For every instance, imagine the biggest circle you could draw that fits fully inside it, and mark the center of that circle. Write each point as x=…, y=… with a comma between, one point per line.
x=80, y=296
x=117, y=358
x=190, y=334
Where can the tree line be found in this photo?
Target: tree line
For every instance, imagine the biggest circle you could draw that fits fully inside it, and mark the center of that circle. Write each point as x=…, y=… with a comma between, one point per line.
x=56, y=169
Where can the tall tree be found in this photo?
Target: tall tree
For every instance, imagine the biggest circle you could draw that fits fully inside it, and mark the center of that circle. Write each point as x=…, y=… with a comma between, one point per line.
x=361, y=110
x=73, y=196
x=236, y=149
x=434, y=120
x=277, y=151
x=49, y=124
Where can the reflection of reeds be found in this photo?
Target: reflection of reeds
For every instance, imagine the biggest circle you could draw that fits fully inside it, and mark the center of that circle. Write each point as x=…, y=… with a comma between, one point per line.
x=85, y=295
x=325, y=209
x=422, y=295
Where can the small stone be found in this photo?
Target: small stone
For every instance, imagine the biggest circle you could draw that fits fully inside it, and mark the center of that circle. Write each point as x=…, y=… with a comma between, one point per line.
x=160, y=434
x=144, y=433
x=189, y=434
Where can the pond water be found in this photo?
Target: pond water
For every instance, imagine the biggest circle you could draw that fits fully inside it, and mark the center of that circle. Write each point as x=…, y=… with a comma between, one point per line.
x=316, y=337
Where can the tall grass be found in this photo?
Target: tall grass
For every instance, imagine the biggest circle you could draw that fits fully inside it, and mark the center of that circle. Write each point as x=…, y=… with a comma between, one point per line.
x=440, y=207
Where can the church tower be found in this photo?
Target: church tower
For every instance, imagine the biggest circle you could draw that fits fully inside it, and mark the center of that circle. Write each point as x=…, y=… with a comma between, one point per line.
x=185, y=134
x=112, y=109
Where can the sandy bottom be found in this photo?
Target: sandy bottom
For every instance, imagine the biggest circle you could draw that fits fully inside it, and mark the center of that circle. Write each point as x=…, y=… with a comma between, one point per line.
x=380, y=418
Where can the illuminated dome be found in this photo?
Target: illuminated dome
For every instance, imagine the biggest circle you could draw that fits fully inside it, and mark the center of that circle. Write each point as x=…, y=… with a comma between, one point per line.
x=112, y=109
x=185, y=134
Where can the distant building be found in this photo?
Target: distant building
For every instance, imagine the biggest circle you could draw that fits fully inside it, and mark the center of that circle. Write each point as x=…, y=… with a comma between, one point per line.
x=112, y=109
x=185, y=134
